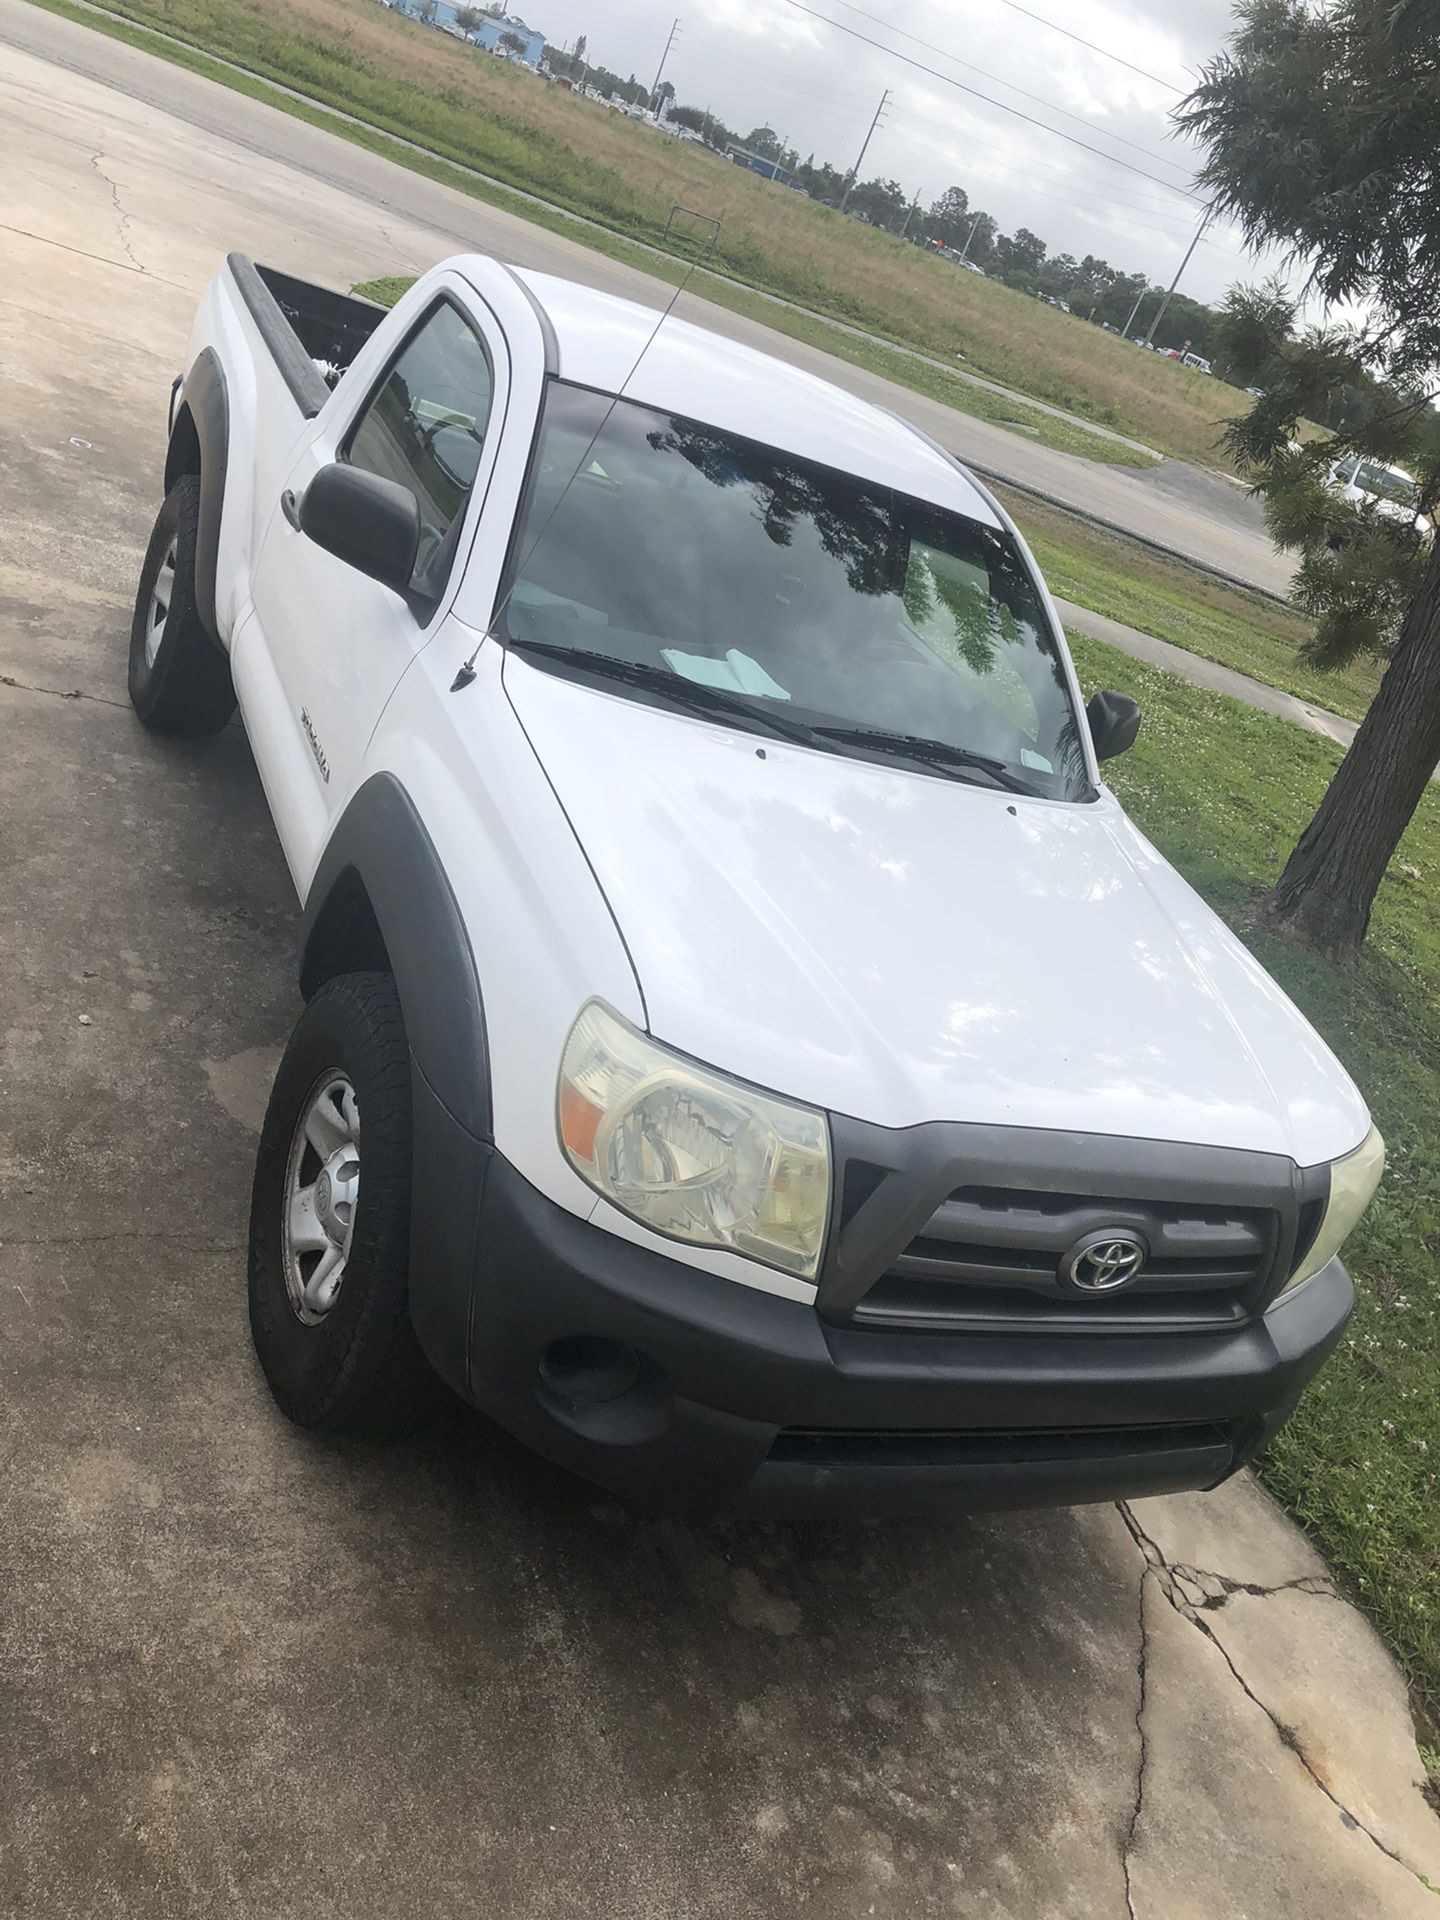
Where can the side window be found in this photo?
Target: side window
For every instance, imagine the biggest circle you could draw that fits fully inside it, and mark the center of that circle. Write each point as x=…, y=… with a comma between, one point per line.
x=425, y=428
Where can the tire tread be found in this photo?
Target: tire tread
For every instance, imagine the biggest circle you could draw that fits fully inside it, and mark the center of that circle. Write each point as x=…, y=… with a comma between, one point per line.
x=361, y=1368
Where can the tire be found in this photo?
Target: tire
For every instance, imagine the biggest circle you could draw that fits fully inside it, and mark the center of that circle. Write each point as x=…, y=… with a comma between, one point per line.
x=180, y=680
x=352, y=1364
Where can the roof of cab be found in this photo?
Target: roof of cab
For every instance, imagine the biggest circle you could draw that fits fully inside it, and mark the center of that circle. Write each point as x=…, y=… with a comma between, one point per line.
x=689, y=370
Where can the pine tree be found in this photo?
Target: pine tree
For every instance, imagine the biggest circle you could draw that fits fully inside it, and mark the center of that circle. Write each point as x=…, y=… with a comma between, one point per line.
x=1323, y=135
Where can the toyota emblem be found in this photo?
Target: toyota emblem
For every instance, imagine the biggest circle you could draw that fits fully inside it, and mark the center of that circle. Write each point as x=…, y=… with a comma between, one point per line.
x=1103, y=1262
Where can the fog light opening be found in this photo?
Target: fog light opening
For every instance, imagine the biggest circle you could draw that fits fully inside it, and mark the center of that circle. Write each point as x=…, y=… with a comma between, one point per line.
x=588, y=1371
x=603, y=1390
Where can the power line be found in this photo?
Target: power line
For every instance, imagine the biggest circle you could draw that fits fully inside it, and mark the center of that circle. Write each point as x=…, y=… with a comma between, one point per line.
x=1000, y=80
x=1104, y=52
x=949, y=80
x=770, y=77
x=1131, y=216
x=966, y=164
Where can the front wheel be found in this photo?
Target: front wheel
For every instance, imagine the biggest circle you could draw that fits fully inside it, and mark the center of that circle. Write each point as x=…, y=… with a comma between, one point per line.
x=179, y=677
x=330, y=1219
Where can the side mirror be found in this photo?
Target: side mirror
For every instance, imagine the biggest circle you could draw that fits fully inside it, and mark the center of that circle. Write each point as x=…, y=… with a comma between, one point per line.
x=369, y=523
x=1114, y=723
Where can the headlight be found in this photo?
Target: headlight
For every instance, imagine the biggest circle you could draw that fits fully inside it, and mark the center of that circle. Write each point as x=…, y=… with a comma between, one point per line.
x=1353, y=1181
x=690, y=1153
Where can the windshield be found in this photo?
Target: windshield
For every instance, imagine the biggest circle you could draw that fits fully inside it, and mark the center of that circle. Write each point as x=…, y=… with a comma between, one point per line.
x=788, y=589
x=1386, y=483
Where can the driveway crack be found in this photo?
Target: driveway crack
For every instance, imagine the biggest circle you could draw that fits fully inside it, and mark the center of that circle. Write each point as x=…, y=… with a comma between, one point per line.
x=1142, y=1668
x=1164, y=1573
x=122, y=219
x=59, y=693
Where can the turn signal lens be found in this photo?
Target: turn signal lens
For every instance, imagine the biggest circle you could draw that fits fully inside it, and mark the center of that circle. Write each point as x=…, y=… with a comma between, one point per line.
x=691, y=1153
x=1353, y=1181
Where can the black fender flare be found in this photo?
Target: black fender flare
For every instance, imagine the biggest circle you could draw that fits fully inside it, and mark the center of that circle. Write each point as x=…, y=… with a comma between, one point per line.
x=200, y=440
x=380, y=852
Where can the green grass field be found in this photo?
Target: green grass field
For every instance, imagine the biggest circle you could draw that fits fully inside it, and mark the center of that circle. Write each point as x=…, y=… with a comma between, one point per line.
x=1115, y=576
x=466, y=109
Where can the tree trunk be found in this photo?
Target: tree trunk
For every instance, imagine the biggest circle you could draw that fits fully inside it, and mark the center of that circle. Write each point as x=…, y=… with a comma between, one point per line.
x=1324, y=896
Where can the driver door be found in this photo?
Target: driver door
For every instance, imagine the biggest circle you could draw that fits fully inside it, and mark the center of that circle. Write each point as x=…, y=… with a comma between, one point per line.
x=337, y=641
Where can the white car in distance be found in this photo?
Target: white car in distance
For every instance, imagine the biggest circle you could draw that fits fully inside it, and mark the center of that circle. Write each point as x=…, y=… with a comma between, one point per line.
x=1388, y=490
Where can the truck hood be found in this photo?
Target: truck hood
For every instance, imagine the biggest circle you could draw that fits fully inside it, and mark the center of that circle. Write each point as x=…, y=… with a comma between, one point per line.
x=903, y=948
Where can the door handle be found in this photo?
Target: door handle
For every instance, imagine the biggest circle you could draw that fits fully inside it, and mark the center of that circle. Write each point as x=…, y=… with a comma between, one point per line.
x=290, y=507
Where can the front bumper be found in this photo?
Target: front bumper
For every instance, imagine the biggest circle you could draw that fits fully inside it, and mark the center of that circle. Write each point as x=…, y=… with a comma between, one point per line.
x=680, y=1389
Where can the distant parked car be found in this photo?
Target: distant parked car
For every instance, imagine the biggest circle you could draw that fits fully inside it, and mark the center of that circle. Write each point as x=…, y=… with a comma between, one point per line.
x=971, y=266
x=1256, y=393
x=1196, y=360
x=1389, y=491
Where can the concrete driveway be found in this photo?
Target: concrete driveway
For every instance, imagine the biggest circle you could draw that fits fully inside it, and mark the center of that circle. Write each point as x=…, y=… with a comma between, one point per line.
x=249, y=1673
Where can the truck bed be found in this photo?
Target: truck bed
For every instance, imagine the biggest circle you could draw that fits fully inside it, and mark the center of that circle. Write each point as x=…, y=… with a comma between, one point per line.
x=312, y=332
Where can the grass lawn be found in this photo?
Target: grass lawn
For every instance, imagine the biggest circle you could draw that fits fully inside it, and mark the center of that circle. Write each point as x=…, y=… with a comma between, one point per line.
x=1115, y=576
x=462, y=106
x=1224, y=792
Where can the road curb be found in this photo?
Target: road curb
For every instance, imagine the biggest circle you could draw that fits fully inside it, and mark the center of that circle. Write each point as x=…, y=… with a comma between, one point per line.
x=1123, y=533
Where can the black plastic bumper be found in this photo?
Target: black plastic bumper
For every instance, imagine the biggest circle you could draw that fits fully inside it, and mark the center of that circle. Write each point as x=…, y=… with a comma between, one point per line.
x=681, y=1389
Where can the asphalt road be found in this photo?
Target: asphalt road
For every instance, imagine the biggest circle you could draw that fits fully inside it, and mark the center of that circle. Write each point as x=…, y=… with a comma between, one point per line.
x=244, y=1672
x=351, y=216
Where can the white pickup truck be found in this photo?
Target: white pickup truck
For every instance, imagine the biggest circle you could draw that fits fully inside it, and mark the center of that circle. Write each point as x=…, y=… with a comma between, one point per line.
x=747, y=1051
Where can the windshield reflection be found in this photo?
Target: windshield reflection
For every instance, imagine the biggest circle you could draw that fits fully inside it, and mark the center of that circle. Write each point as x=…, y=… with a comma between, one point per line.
x=658, y=543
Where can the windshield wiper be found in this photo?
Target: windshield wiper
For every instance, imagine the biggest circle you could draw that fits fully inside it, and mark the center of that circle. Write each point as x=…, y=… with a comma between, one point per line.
x=695, y=696
x=937, y=753
x=691, y=694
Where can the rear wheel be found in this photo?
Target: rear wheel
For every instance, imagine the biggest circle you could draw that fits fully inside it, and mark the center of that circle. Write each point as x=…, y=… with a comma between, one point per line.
x=330, y=1219
x=179, y=677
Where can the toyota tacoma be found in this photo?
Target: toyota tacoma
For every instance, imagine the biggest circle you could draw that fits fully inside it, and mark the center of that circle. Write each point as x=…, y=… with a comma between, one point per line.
x=746, y=1051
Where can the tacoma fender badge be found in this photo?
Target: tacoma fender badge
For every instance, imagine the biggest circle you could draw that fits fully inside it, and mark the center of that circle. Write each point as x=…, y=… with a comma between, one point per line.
x=315, y=747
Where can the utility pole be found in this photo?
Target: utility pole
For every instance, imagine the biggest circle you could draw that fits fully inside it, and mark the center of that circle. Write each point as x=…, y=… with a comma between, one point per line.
x=854, y=173
x=1205, y=220
x=910, y=215
x=674, y=29
x=1124, y=331
x=974, y=225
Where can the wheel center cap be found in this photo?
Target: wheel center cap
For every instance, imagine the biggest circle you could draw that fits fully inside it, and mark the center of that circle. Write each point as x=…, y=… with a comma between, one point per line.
x=336, y=1189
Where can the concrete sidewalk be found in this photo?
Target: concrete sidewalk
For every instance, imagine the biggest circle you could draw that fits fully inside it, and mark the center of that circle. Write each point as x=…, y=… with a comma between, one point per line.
x=1206, y=673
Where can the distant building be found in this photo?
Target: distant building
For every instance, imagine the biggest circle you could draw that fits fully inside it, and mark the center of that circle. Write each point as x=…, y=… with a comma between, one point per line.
x=491, y=32
x=757, y=163
x=488, y=34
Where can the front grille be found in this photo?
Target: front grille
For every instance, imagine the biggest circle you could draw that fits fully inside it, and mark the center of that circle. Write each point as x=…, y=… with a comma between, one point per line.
x=991, y=1254
x=950, y=1226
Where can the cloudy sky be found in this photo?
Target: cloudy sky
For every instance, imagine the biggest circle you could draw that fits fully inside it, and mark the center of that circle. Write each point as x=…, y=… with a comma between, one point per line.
x=766, y=61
